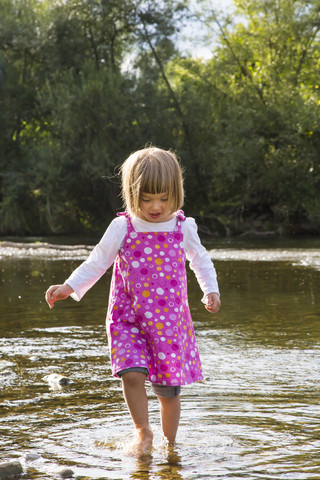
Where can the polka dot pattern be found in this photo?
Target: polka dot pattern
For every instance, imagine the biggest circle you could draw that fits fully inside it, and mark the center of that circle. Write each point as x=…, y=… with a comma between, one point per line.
x=149, y=322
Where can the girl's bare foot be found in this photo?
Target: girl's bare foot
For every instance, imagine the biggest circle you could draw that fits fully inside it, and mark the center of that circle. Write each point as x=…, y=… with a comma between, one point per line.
x=142, y=443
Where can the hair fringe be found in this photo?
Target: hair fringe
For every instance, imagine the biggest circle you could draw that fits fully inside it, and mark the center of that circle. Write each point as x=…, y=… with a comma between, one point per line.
x=152, y=170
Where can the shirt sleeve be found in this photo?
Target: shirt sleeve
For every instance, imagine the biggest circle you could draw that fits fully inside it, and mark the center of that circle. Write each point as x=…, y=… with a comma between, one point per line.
x=99, y=260
x=199, y=258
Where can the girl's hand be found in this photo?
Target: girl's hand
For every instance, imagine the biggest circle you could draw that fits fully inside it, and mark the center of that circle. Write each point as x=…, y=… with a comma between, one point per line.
x=57, y=292
x=212, y=302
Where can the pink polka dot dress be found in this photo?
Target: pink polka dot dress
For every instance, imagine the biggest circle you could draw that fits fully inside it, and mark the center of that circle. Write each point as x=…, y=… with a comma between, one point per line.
x=149, y=323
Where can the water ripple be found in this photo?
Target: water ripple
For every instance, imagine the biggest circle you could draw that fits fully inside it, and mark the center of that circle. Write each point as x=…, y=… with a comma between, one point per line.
x=295, y=256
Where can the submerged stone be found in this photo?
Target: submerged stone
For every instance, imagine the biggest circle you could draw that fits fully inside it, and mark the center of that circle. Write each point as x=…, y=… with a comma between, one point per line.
x=55, y=379
x=34, y=358
x=31, y=457
x=65, y=472
x=4, y=364
x=10, y=469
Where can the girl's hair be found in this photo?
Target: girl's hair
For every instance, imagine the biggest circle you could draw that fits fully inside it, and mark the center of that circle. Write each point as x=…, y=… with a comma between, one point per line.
x=152, y=170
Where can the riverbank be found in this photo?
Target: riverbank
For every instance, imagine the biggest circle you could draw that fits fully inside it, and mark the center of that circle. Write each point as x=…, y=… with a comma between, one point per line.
x=253, y=224
x=43, y=250
x=305, y=252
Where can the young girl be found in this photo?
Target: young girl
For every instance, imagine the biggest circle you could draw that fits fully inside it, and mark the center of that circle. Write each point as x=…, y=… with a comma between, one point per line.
x=149, y=326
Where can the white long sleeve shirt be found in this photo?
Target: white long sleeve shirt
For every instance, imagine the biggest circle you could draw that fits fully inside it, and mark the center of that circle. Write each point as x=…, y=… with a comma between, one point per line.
x=105, y=252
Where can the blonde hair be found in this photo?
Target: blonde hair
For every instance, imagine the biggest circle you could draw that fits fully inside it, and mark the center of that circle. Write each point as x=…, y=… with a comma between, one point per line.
x=151, y=170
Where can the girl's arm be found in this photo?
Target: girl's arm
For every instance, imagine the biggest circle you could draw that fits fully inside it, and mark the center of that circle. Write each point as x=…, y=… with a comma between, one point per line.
x=212, y=302
x=89, y=272
x=99, y=260
x=201, y=264
x=57, y=292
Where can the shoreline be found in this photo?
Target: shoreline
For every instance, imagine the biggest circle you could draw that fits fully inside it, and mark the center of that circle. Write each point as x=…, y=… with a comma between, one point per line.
x=9, y=249
x=307, y=255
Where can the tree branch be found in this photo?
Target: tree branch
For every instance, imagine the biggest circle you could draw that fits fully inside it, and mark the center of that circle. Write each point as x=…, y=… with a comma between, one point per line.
x=243, y=69
x=304, y=53
x=185, y=126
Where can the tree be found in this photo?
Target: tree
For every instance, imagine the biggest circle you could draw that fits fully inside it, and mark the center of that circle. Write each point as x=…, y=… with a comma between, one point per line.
x=76, y=112
x=259, y=97
x=82, y=84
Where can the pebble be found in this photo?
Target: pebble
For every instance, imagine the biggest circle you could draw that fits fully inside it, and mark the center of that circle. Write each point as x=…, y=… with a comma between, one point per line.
x=10, y=469
x=55, y=379
x=34, y=358
x=65, y=472
x=4, y=364
x=31, y=457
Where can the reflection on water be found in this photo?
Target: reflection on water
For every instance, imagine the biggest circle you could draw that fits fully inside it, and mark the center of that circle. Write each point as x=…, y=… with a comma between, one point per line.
x=255, y=416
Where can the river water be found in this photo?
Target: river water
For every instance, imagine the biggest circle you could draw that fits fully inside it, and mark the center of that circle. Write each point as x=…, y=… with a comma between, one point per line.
x=256, y=416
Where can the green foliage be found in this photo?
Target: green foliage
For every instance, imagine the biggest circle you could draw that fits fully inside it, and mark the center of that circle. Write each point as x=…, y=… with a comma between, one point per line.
x=70, y=113
x=82, y=84
x=255, y=109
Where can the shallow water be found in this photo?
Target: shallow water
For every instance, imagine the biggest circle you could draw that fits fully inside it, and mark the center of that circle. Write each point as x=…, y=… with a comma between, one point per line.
x=255, y=417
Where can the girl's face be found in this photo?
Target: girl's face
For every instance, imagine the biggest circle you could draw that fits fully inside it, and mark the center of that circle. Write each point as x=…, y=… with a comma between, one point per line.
x=154, y=207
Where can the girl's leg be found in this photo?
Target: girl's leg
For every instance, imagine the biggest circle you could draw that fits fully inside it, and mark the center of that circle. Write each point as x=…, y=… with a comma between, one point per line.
x=137, y=401
x=170, y=416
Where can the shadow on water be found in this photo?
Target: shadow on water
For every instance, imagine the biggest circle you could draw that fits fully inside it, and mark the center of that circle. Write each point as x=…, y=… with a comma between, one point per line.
x=255, y=416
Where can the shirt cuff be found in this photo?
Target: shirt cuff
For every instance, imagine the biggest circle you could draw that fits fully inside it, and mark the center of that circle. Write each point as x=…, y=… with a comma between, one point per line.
x=73, y=295
x=203, y=299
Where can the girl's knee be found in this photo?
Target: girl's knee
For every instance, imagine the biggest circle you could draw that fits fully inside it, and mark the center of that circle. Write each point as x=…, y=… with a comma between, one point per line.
x=133, y=379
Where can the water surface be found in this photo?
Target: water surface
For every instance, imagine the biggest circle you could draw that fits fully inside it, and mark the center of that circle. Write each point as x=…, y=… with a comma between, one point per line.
x=256, y=416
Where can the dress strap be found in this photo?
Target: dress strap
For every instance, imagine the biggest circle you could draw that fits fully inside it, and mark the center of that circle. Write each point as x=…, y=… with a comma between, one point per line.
x=129, y=222
x=180, y=218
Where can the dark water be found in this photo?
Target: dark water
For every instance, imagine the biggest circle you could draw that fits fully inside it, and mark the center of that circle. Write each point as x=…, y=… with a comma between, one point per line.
x=257, y=416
